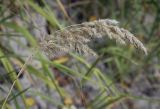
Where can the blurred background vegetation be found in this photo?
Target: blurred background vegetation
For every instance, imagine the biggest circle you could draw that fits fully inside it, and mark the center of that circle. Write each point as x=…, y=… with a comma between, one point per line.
x=121, y=78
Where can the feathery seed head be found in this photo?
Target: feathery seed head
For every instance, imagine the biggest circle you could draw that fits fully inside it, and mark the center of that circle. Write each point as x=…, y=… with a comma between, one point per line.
x=76, y=37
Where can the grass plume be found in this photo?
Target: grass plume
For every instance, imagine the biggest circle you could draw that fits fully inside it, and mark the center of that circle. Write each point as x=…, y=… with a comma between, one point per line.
x=76, y=37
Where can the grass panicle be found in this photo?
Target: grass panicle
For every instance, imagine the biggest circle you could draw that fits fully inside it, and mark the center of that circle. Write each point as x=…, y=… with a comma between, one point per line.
x=76, y=37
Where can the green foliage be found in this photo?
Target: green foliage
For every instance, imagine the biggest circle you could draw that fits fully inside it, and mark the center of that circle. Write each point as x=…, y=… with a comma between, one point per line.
x=120, y=61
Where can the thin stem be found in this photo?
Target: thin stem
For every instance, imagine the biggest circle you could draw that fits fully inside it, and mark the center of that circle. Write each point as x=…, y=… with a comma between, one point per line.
x=14, y=82
x=91, y=68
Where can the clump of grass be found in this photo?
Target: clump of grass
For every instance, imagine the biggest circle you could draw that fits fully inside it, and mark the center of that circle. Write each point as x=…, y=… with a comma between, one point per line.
x=76, y=37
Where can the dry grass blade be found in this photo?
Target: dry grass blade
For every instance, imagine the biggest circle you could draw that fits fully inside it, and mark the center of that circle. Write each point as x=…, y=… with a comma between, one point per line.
x=76, y=37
